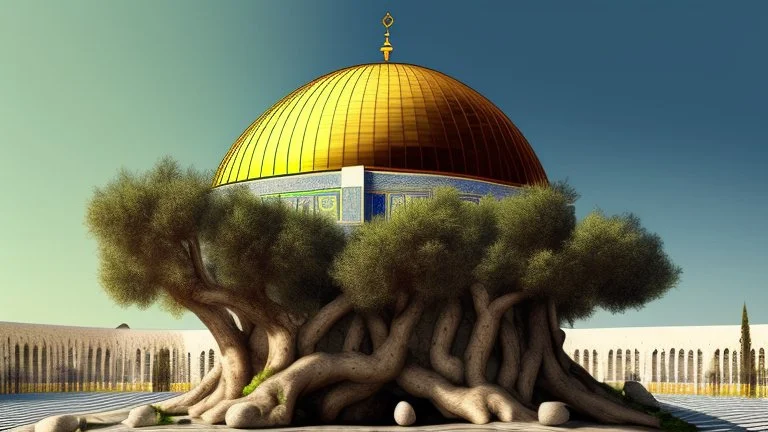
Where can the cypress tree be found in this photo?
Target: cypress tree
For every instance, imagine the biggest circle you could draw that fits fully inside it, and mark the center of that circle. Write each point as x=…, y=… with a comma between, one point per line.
x=746, y=366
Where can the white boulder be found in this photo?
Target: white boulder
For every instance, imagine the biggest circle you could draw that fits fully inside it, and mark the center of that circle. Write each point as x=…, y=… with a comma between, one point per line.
x=59, y=423
x=404, y=414
x=141, y=416
x=553, y=413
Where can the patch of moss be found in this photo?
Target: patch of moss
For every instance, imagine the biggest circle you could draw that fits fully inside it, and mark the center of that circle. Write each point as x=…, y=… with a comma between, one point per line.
x=281, y=396
x=257, y=380
x=669, y=422
x=673, y=424
x=163, y=418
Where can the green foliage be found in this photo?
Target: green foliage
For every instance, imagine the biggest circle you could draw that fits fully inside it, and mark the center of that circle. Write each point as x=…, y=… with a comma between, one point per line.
x=163, y=418
x=428, y=248
x=139, y=221
x=257, y=380
x=747, y=366
x=608, y=262
x=147, y=224
x=264, y=246
x=538, y=218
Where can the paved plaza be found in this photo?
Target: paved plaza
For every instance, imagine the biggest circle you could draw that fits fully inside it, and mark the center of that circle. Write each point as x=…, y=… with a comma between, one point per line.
x=18, y=412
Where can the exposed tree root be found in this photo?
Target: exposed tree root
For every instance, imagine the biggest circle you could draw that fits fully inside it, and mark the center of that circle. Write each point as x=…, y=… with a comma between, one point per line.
x=446, y=326
x=476, y=404
x=561, y=385
x=485, y=330
x=355, y=334
x=532, y=358
x=510, y=347
x=273, y=402
x=318, y=326
x=355, y=376
x=181, y=404
x=347, y=393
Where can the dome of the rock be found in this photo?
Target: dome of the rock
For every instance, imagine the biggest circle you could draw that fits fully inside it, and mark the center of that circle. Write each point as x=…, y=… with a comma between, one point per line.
x=385, y=116
x=364, y=140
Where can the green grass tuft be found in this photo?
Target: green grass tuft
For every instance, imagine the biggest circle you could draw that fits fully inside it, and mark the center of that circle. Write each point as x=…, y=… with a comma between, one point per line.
x=163, y=418
x=669, y=422
x=257, y=380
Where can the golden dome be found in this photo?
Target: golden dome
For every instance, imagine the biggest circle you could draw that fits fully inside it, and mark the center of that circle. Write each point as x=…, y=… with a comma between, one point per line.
x=386, y=116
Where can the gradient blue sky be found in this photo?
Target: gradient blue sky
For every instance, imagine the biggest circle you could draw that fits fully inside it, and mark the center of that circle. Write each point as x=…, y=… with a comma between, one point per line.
x=654, y=107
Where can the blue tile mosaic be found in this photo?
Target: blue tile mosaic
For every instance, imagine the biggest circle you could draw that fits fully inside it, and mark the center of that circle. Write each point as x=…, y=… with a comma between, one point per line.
x=293, y=183
x=378, y=204
x=351, y=202
x=377, y=181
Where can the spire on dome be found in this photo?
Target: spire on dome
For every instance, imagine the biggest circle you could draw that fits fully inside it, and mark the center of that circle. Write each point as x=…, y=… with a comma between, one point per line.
x=387, y=21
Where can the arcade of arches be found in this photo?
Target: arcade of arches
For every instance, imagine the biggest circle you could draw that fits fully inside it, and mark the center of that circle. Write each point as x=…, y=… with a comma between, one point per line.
x=45, y=358
x=683, y=360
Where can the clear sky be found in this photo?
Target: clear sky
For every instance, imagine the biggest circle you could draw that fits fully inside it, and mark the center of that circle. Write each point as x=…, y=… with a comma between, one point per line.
x=654, y=107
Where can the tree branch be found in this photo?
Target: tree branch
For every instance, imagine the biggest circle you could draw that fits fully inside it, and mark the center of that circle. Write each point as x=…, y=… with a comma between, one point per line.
x=485, y=331
x=318, y=325
x=446, y=326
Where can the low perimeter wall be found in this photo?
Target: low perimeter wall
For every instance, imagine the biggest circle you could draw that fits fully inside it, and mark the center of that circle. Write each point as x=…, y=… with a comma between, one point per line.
x=48, y=358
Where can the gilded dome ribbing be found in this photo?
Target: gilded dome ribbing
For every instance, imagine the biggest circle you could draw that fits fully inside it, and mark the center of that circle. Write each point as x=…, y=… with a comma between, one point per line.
x=383, y=116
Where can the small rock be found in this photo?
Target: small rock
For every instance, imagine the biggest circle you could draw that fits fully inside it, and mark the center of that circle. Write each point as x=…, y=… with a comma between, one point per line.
x=141, y=416
x=59, y=423
x=404, y=414
x=637, y=393
x=553, y=413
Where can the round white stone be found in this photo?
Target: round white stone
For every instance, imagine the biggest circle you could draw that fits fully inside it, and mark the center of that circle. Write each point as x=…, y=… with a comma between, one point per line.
x=59, y=423
x=404, y=414
x=553, y=413
x=141, y=416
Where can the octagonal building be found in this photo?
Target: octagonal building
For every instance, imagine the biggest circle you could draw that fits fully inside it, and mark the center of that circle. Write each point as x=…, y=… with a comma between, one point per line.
x=361, y=141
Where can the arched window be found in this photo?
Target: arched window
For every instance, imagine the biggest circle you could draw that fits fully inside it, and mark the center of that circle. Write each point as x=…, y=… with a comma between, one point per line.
x=71, y=368
x=628, y=369
x=594, y=363
x=44, y=359
x=671, y=365
x=35, y=369
x=681, y=365
x=637, y=365
x=211, y=359
x=585, y=360
x=700, y=367
x=610, y=365
x=25, y=368
x=16, y=369
x=107, y=366
x=137, y=367
x=663, y=367
x=619, y=369
x=202, y=364
x=690, y=366
x=147, y=367
x=654, y=366
x=716, y=376
x=174, y=365
x=735, y=367
x=98, y=377
x=189, y=367
x=576, y=356
x=726, y=367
